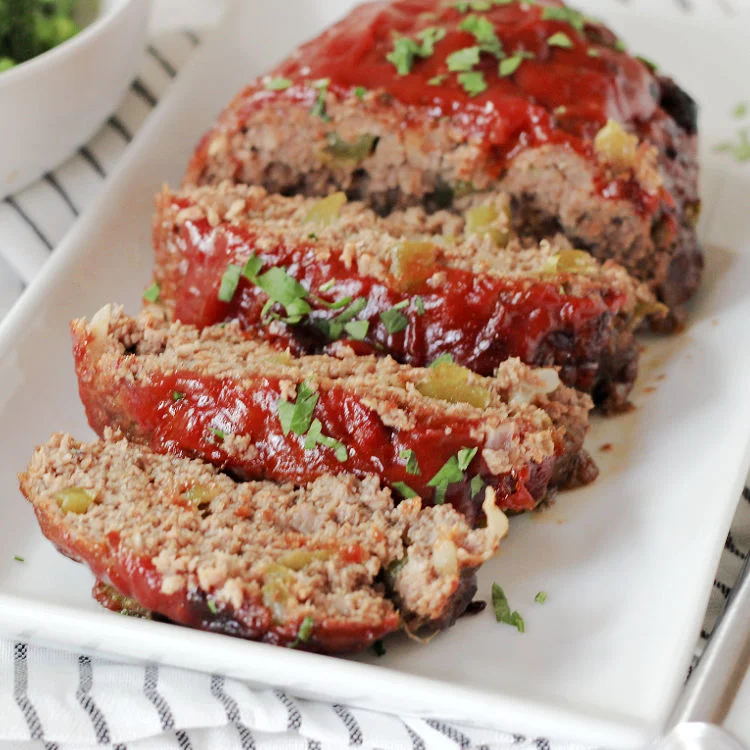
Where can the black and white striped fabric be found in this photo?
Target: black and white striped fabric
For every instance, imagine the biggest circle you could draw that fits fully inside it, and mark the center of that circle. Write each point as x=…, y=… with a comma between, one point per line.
x=60, y=701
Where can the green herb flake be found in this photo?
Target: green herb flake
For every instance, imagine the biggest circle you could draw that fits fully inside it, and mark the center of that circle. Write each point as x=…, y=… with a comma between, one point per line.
x=465, y=457
x=477, y=485
x=177, y=396
x=277, y=84
x=484, y=32
x=18, y=558
x=357, y=329
x=405, y=50
x=437, y=80
x=738, y=150
x=560, y=39
x=394, y=320
x=741, y=110
x=285, y=290
x=650, y=64
x=404, y=490
x=419, y=305
x=360, y=92
x=319, y=107
x=503, y=612
x=463, y=59
x=218, y=434
x=328, y=285
x=297, y=417
x=473, y=82
x=379, y=648
x=152, y=293
x=316, y=437
x=510, y=65
x=443, y=358
x=593, y=52
x=229, y=282
x=620, y=46
x=430, y=37
x=252, y=267
x=212, y=608
x=304, y=632
x=575, y=18
x=541, y=597
x=448, y=474
x=412, y=465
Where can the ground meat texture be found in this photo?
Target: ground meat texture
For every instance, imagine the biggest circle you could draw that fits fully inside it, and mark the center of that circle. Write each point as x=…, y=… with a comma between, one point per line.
x=470, y=288
x=216, y=395
x=330, y=567
x=345, y=118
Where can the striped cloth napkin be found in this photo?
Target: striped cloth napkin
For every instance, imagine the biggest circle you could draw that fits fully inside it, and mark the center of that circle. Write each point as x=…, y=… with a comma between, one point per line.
x=59, y=701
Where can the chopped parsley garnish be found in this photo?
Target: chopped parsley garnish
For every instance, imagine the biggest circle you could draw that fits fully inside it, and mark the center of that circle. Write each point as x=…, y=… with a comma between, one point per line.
x=419, y=305
x=650, y=64
x=503, y=612
x=252, y=267
x=378, y=648
x=357, y=329
x=441, y=359
x=463, y=6
x=177, y=396
x=297, y=417
x=484, y=32
x=319, y=108
x=18, y=558
x=620, y=46
x=405, y=49
x=394, y=320
x=477, y=485
x=219, y=434
x=561, y=39
x=437, y=80
x=315, y=437
x=541, y=597
x=360, y=92
x=741, y=110
x=229, y=282
x=575, y=18
x=404, y=490
x=152, y=293
x=328, y=285
x=473, y=82
x=304, y=632
x=285, y=290
x=740, y=149
x=212, y=608
x=277, y=84
x=510, y=65
x=412, y=465
x=465, y=457
x=463, y=59
x=593, y=52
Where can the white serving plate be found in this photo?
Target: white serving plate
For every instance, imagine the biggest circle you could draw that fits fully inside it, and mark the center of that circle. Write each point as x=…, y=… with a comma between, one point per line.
x=627, y=563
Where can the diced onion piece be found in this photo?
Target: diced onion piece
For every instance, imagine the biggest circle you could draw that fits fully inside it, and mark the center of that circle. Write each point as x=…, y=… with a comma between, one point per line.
x=99, y=325
x=497, y=521
x=488, y=220
x=445, y=557
x=648, y=309
x=413, y=263
x=297, y=559
x=447, y=381
x=325, y=211
x=74, y=500
x=545, y=380
x=275, y=591
x=571, y=261
x=615, y=146
x=339, y=149
x=200, y=494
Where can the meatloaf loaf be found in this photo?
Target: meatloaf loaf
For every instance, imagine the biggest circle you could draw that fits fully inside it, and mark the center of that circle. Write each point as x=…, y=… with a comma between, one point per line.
x=441, y=433
x=423, y=101
x=474, y=292
x=330, y=567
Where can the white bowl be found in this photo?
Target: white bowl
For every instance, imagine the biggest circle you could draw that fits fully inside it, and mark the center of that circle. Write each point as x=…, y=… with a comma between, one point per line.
x=51, y=105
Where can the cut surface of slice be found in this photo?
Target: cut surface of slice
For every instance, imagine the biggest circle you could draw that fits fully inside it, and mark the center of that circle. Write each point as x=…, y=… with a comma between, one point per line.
x=329, y=567
x=441, y=433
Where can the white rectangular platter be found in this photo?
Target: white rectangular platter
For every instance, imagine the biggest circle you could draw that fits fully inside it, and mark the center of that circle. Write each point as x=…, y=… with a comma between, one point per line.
x=627, y=563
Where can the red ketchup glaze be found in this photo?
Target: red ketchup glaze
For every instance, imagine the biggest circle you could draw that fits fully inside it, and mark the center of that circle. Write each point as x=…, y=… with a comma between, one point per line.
x=480, y=320
x=515, y=112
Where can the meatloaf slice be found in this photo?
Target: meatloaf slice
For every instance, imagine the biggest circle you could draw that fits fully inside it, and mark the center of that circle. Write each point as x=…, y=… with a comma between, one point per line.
x=330, y=567
x=474, y=292
x=420, y=101
x=440, y=433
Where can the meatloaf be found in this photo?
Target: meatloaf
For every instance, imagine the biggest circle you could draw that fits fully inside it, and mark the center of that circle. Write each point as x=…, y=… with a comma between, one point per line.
x=441, y=433
x=473, y=291
x=422, y=101
x=329, y=567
